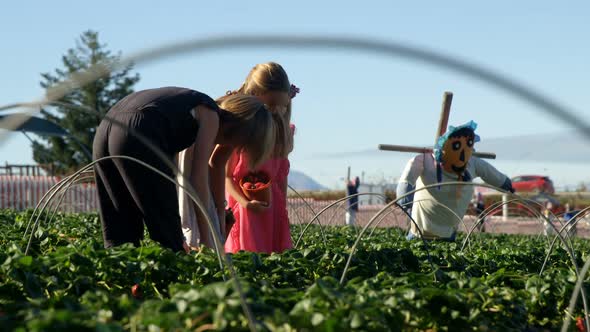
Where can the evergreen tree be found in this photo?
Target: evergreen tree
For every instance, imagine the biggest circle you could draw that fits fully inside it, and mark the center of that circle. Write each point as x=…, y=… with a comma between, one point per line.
x=64, y=155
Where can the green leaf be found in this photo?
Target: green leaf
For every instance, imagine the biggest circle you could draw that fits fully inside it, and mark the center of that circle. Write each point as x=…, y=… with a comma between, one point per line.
x=25, y=261
x=317, y=318
x=356, y=321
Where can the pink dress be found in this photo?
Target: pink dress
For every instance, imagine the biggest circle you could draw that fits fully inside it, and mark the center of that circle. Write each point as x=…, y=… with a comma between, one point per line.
x=264, y=232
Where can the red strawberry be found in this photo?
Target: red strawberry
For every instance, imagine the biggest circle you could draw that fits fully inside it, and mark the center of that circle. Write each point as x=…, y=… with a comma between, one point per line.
x=580, y=324
x=260, y=184
x=136, y=291
x=247, y=185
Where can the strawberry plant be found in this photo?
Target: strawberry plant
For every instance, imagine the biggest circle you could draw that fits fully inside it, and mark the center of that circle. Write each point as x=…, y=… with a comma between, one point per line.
x=70, y=282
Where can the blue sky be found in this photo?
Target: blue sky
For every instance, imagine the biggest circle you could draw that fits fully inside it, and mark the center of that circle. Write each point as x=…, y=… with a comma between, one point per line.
x=350, y=101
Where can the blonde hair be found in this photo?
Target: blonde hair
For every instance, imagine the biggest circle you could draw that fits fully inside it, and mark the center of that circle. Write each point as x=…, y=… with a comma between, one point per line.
x=269, y=77
x=247, y=122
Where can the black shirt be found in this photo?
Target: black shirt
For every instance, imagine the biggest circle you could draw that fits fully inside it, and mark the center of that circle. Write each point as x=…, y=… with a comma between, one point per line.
x=174, y=104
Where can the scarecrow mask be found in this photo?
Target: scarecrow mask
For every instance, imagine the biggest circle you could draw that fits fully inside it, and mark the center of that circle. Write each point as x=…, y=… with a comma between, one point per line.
x=454, y=149
x=456, y=153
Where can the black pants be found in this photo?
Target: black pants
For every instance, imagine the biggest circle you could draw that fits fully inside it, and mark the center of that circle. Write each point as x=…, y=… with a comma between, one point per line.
x=130, y=194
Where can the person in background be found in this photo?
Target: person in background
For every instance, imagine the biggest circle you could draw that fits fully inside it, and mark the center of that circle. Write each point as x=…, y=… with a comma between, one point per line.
x=352, y=188
x=567, y=217
x=548, y=220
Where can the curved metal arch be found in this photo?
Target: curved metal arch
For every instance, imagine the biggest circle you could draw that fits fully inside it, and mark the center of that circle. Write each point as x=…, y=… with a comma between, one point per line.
x=67, y=181
x=409, y=215
x=500, y=204
x=326, y=208
x=353, y=249
x=424, y=242
x=382, y=218
x=573, y=222
x=526, y=201
x=372, y=220
x=155, y=149
x=218, y=245
x=578, y=289
x=87, y=175
x=461, y=221
x=391, y=49
x=311, y=209
x=395, y=202
x=336, y=209
x=74, y=182
x=45, y=200
x=577, y=217
x=519, y=90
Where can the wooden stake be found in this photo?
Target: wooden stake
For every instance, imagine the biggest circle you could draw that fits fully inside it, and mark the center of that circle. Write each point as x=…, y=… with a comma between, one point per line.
x=403, y=148
x=348, y=175
x=445, y=111
x=443, y=123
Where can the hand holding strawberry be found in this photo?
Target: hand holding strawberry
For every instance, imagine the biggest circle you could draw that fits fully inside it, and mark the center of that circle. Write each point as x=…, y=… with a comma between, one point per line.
x=256, y=188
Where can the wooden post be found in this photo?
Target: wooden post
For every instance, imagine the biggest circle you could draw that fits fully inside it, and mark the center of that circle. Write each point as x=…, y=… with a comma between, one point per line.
x=504, y=207
x=348, y=176
x=445, y=111
x=402, y=148
x=443, y=122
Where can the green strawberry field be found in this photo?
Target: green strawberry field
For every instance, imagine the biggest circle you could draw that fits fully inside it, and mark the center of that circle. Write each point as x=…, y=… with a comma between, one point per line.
x=68, y=282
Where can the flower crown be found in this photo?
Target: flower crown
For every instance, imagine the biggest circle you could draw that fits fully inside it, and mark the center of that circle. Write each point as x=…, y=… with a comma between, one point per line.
x=293, y=91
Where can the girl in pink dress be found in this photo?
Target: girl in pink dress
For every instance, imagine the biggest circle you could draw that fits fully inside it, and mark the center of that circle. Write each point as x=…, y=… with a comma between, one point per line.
x=263, y=226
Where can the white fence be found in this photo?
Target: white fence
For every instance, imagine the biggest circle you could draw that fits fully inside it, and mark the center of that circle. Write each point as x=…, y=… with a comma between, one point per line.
x=303, y=212
x=20, y=192
x=24, y=192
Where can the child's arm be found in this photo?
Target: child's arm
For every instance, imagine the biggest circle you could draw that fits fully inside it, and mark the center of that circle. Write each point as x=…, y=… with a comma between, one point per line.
x=217, y=162
x=199, y=178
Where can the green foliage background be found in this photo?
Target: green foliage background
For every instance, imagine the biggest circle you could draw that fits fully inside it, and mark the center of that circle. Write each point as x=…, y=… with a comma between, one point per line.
x=64, y=155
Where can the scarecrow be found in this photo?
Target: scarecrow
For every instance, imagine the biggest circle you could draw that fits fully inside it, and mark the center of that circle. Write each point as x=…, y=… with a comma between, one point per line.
x=435, y=209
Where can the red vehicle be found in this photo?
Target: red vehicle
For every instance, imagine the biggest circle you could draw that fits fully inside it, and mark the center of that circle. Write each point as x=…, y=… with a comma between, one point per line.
x=533, y=183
